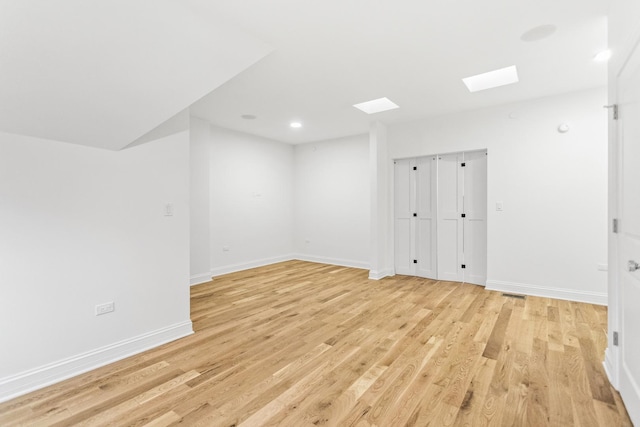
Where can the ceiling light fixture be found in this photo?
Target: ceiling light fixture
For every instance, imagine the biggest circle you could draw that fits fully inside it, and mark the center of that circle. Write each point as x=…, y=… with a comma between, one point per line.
x=603, y=56
x=538, y=33
x=295, y=125
x=496, y=78
x=376, y=106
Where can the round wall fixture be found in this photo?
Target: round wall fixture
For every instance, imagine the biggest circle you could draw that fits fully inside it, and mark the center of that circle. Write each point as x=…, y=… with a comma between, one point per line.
x=538, y=33
x=563, y=128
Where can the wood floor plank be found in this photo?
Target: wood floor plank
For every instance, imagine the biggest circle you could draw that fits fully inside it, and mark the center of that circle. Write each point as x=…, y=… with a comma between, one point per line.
x=306, y=344
x=496, y=338
x=474, y=404
x=559, y=390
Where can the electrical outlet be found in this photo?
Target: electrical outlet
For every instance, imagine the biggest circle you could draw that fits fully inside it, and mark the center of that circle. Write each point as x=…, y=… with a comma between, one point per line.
x=105, y=308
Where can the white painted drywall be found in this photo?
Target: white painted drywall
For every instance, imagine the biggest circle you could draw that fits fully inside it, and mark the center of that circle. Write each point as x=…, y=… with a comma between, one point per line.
x=380, y=185
x=552, y=233
x=105, y=73
x=331, y=201
x=251, y=201
x=199, y=159
x=83, y=226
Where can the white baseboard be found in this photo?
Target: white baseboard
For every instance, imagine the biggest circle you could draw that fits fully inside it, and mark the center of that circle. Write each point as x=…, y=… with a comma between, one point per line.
x=219, y=271
x=197, y=279
x=599, y=298
x=377, y=275
x=301, y=257
x=34, y=379
x=333, y=261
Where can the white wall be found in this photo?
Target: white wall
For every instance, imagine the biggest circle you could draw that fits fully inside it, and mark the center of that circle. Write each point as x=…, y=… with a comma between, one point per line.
x=83, y=226
x=552, y=234
x=380, y=190
x=199, y=159
x=331, y=201
x=251, y=201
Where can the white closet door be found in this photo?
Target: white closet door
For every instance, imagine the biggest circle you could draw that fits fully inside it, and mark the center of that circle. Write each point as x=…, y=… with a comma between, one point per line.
x=426, y=190
x=404, y=204
x=475, y=221
x=450, y=203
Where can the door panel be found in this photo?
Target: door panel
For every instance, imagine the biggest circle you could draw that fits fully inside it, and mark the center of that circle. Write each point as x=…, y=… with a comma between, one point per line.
x=475, y=221
x=403, y=218
x=426, y=180
x=449, y=221
x=448, y=252
x=629, y=140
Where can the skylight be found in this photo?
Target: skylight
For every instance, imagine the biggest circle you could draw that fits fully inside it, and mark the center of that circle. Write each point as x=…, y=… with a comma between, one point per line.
x=496, y=78
x=376, y=106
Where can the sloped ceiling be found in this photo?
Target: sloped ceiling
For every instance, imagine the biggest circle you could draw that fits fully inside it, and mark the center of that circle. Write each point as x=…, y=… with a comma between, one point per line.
x=331, y=54
x=104, y=73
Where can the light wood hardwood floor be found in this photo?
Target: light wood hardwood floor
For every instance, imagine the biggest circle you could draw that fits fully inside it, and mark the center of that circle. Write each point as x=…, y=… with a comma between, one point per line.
x=304, y=344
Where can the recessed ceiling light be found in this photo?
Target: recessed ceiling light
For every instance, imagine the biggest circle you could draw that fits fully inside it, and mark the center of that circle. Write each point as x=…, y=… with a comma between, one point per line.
x=295, y=125
x=538, y=33
x=376, y=105
x=248, y=116
x=603, y=56
x=496, y=78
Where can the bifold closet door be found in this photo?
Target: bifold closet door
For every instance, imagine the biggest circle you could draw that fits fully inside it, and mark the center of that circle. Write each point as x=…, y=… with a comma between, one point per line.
x=475, y=220
x=440, y=217
x=415, y=216
x=404, y=206
x=450, y=227
x=426, y=190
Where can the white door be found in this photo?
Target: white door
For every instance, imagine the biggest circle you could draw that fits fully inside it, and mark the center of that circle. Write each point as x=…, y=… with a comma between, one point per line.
x=426, y=249
x=629, y=238
x=450, y=203
x=404, y=207
x=475, y=220
x=415, y=216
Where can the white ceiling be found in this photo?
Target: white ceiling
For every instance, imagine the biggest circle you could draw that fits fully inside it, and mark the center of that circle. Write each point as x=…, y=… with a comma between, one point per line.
x=103, y=73
x=106, y=72
x=331, y=54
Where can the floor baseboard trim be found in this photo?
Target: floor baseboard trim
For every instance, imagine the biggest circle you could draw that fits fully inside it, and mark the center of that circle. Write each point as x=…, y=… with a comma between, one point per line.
x=333, y=261
x=377, y=275
x=198, y=279
x=233, y=268
x=599, y=298
x=34, y=379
